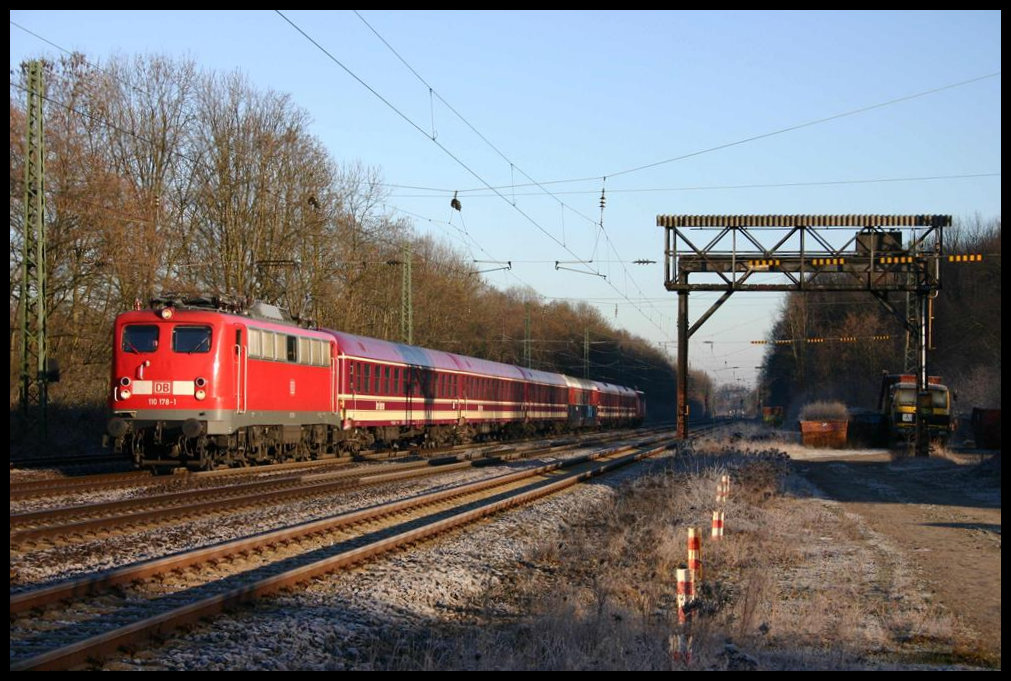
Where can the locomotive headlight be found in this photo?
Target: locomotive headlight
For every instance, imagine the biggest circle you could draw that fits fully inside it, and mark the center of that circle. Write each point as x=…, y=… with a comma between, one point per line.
x=200, y=382
x=124, y=393
x=200, y=394
x=125, y=381
x=165, y=313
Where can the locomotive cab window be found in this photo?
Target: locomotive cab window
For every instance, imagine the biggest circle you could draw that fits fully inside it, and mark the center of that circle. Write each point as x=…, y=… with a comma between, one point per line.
x=190, y=339
x=140, y=338
x=254, y=343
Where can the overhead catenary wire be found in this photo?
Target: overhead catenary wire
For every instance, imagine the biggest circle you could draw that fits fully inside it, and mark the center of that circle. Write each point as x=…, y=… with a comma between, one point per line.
x=476, y=193
x=776, y=132
x=196, y=162
x=513, y=167
x=193, y=162
x=72, y=53
x=444, y=148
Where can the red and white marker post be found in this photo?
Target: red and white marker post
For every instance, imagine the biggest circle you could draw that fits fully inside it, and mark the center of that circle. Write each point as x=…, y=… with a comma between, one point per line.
x=695, y=553
x=717, y=525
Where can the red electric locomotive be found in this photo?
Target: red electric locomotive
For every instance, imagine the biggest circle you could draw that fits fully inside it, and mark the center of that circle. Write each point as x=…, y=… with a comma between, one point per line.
x=203, y=383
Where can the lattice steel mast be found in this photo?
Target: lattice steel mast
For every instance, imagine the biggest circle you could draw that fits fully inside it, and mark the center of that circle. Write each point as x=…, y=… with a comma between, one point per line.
x=34, y=348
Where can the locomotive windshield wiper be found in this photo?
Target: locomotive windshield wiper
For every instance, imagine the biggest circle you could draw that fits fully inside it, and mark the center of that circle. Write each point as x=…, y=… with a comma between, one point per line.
x=203, y=346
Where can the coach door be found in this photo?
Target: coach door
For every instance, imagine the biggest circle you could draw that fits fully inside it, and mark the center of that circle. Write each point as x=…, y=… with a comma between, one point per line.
x=411, y=378
x=240, y=357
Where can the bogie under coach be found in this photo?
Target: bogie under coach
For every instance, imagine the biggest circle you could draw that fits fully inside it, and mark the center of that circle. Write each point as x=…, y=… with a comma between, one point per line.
x=202, y=383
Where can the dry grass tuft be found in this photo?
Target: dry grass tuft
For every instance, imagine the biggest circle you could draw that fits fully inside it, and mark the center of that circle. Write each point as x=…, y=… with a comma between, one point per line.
x=780, y=592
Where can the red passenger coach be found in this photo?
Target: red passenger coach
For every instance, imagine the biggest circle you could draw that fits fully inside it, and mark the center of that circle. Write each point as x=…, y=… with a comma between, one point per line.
x=396, y=390
x=204, y=383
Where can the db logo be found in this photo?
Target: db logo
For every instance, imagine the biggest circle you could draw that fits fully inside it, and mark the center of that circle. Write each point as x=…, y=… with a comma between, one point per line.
x=163, y=387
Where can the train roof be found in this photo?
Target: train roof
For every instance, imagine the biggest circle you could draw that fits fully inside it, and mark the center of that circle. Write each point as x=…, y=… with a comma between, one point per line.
x=387, y=351
x=364, y=347
x=599, y=386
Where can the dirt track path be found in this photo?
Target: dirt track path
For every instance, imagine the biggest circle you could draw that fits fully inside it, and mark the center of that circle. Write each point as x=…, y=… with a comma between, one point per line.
x=944, y=516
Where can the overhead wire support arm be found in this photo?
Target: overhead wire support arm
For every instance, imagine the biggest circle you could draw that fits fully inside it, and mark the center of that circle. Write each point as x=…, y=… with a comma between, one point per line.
x=502, y=265
x=561, y=265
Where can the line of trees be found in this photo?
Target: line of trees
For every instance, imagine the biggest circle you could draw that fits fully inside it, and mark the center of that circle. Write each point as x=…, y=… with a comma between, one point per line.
x=966, y=339
x=160, y=177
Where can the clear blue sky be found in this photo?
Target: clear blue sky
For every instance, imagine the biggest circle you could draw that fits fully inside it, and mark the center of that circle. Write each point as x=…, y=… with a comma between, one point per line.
x=590, y=94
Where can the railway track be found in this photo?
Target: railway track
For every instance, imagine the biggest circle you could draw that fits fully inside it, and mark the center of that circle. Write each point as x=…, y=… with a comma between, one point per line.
x=112, y=609
x=74, y=524
x=57, y=486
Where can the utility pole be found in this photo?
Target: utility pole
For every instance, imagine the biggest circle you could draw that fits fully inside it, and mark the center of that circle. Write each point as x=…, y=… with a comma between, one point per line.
x=406, y=299
x=586, y=352
x=34, y=348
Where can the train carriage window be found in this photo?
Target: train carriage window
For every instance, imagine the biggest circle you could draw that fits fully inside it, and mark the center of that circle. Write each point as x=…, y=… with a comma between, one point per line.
x=366, y=385
x=291, y=348
x=325, y=354
x=384, y=385
x=280, y=347
x=395, y=382
x=255, y=339
x=191, y=339
x=304, y=353
x=140, y=338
